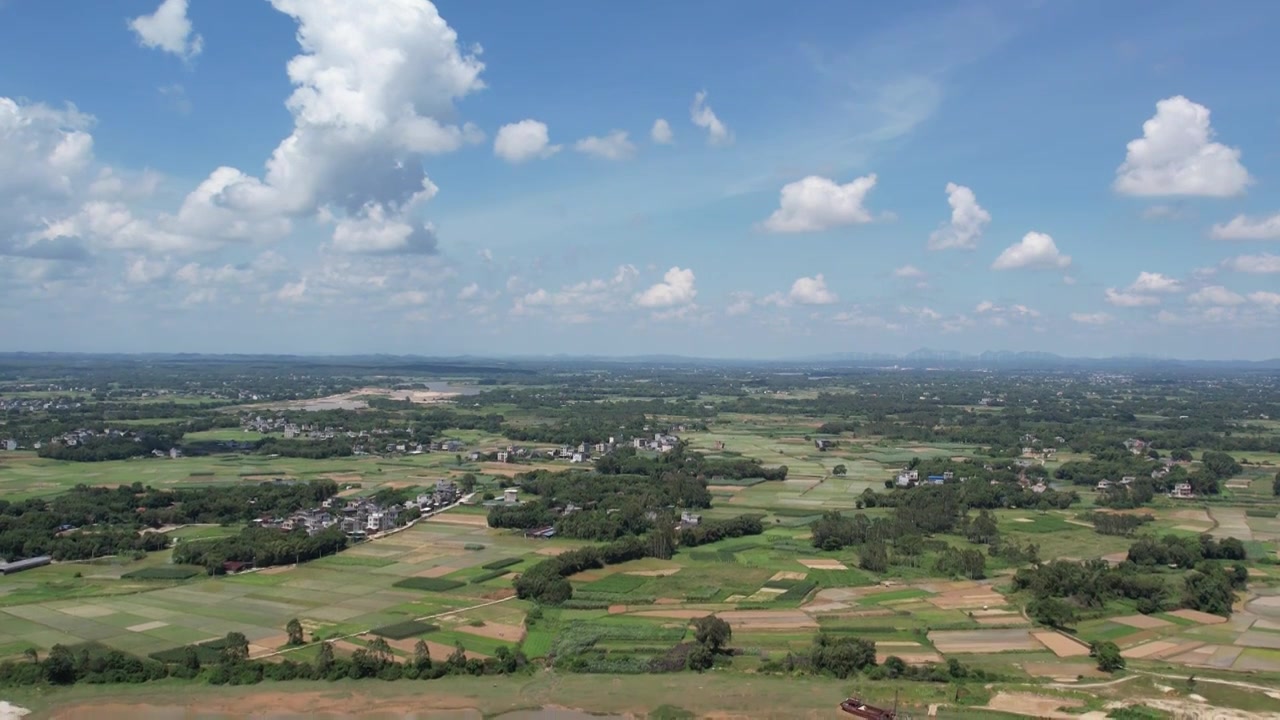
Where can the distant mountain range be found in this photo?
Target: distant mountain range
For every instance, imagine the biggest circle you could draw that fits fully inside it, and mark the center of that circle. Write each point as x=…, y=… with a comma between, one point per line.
x=924, y=358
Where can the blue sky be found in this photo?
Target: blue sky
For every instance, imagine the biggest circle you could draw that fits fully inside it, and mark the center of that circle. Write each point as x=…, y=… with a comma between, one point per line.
x=711, y=178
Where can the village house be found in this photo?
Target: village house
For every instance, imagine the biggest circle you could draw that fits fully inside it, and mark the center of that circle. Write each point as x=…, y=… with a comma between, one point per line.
x=1105, y=485
x=1182, y=491
x=907, y=478
x=11, y=445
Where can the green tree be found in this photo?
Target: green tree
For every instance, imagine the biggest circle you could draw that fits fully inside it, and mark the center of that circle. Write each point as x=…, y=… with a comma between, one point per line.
x=662, y=538
x=712, y=632
x=324, y=658
x=983, y=529
x=874, y=558
x=839, y=470
x=421, y=656
x=236, y=648
x=60, y=666
x=467, y=482
x=1052, y=611
x=1220, y=465
x=31, y=655
x=1108, y=656
x=1275, y=485
x=294, y=630
x=381, y=650
x=700, y=658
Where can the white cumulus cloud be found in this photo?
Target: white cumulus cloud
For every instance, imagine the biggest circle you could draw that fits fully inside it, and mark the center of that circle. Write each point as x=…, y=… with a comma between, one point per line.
x=1266, y=299
x=804, y=291
x=168, y=29
x=1099, y=318
x=661, y=132
x=676, y=288
x=1243, y=227
x=1149, y=282
x=373, y=231
x=1036, y=251
x=909, y=272
x=968, y=219
x=1120, y=298
x=702, y=115
x=817, y=203
x=1215, y=295
x=1263, y=264
x=614, y=146
x=523, y=141
x=1176, y=155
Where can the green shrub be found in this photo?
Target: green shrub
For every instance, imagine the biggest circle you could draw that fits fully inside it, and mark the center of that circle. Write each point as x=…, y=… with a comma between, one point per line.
x=428, y=584
x=164, y=572
x=797, y=592
x=403, y=630
x=499, y=564
x=485, y=577
x=473, y=546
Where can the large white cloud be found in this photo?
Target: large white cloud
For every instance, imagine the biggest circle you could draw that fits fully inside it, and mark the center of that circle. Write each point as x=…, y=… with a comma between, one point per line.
x=371, y=231
x=816, y=203
x=968, y=219
x=701, y=114
x=1215, y=295
x=1265, y=299
x=1176, y=155
x=677, y=288
x=1243, y=227
x=168, y=29
x=614, y=146
x=661, y=132
x=1149, y=282
x=804, y=291
x=1120, y=298
x=1263, y=264
x=523, y=141
x=1036, y=251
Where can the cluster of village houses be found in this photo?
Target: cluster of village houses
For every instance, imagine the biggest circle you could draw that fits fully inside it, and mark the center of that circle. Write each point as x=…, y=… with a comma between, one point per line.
x=360, y=517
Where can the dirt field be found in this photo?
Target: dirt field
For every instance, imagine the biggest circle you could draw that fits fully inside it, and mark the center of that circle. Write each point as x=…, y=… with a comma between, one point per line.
x=439, y=651
x=503, y=469
x=1142, y=622
x=1203, y=618
x=459, y=519
x=1158, y=649
x=660, y=572
x=497, y=631
x=1060, y=644
x=964, y=599
x=822, y=564
x=982, y=641
x=1040, y=706
x=788, y=575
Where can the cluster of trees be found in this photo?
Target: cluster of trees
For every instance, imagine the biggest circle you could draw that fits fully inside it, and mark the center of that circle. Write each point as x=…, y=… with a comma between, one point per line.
x=709, y=531
x=264, y=547
x=965, y=562
x=1061, y=589
x=547, y=582
x=96, y=664
x=844, y=656
x=1106, y=523
x=626, y=461
x=1184, y=552
x=87, y=522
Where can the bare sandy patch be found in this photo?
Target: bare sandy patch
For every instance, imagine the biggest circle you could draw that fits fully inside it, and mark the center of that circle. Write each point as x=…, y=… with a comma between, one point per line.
x=1149, y=649
x=277, y=569
x=341, y=478
x=986, y=640
x=500, y=594
x=1060, y=644
x=660, y=572
x=1203, y=618
x=667, y=601
x=788, y=575
x=822, y=564
x=1023, y=520
x=961, y=599
x=726, y=488
x=1142, y=622
x=153, y=625
x=88, y=611
x=552, y=551
x=824, y=607
x=1040, y=706
x=460, y=519
x=496, y=631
